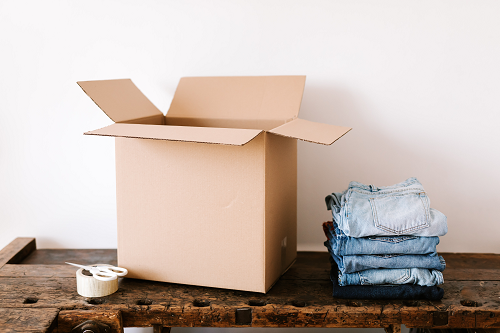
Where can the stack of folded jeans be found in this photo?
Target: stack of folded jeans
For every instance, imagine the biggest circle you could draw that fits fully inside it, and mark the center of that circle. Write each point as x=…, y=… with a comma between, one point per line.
x=383, y=242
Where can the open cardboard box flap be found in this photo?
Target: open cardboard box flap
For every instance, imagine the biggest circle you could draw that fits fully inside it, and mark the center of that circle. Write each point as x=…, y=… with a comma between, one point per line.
x=227, y=136
x=311, y=131
x=240, y=99
x=120, y=100
x=243, y=97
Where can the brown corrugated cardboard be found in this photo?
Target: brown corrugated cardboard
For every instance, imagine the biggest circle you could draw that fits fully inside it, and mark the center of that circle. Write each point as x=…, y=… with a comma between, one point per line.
x=120, y=100
x=206, y=195
x=310, y=131
x=257, y=97
x=192, y=213
x=228, y=136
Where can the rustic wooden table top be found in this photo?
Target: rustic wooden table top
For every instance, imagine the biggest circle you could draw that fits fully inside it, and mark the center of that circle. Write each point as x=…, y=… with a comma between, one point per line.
x=38, y=294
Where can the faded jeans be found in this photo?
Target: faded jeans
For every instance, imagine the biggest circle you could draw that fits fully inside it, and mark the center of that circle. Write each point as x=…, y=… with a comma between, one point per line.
x=355, y=263
x=342, y=245
x=401, y=209
x=381, y=276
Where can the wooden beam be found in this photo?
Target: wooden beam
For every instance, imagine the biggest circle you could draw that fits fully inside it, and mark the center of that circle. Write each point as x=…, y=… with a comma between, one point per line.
x=161, y=329
x=28, y=320
x=17, y=250
x=68, y=319
x=40, y=271
x=393, y=329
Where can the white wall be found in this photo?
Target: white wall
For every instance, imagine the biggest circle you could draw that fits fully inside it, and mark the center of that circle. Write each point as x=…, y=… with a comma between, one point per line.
x=419, y=81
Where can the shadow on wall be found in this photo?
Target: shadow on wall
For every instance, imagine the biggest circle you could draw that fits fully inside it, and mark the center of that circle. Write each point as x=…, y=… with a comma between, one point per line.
x=386, y=147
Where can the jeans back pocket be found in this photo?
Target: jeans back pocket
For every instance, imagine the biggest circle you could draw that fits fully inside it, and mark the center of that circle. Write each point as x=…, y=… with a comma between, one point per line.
x=401, y=214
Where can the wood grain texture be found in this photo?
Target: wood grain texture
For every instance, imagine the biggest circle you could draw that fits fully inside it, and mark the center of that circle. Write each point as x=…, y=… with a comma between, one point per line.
x=471, y=260
x=17, y=250
x=301, y=298
x=161, y=329
x=81, y=256
x=40, y=271
x=393, y=329
x=471, y=274
x=28, y=320
x=69, y=319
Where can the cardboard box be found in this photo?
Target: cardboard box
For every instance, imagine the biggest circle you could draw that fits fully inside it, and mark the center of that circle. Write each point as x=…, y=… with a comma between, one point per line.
x=207, y=194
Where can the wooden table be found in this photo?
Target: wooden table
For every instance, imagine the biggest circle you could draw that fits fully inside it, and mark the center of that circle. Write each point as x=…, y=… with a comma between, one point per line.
x=38, y=294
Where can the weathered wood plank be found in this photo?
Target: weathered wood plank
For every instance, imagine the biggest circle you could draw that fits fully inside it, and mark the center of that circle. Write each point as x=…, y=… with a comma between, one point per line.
x=488, y=319
x=22, y=270
x=311, y=265
x=161, y=329
x=17, y=250
x=471, y=260
x=266, y=316
x=69, y=319
x=462, y=317
x=393, y=329
x=28, y=320
x=79, y=256
x=40, y=271
x=304, y=303
x=58, y=291
x=471, y=274
x=301, y=298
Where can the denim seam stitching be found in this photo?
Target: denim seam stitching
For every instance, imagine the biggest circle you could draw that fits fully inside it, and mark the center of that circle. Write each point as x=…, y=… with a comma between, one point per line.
x=391, y=240
x=363, y=280
x=381, y=193
x=405, y=183
x=348, y=204
x=427, y=208
x=341, y=246
x=405, y=277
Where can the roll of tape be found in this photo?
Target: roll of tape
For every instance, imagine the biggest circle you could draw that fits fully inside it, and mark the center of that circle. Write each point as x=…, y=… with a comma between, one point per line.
x=88, y=286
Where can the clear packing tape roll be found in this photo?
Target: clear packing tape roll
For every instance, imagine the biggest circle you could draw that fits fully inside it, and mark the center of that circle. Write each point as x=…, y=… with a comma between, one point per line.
x=88, y=286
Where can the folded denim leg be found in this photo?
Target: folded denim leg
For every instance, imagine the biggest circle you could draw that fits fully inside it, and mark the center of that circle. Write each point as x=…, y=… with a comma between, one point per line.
x=338, y=260
x=358, y=263
x=345, y=246
x=404, y=291
x=381, y=276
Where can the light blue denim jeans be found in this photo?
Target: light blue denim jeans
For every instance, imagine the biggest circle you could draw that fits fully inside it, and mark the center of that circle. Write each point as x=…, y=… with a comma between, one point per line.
x=342, y=245
x=401, y=209
x=382, y=276
x=351, y=264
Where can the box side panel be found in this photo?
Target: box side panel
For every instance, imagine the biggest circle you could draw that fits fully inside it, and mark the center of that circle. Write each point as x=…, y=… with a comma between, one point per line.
x=281, y=206
x=191, y=213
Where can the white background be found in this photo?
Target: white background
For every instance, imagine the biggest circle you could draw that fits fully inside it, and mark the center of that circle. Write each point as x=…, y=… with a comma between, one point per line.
x=419, y=82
